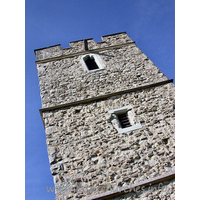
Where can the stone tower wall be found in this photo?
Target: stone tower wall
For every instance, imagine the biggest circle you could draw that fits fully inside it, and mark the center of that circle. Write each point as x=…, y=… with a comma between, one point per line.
x=87, y=154
x=63, y=78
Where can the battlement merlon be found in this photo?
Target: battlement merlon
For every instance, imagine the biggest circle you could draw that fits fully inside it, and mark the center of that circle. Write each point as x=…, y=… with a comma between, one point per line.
x=82, y=46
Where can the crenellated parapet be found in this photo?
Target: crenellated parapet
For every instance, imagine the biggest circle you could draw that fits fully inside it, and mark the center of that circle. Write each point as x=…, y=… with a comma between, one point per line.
x=79, y=46
x=65, y=76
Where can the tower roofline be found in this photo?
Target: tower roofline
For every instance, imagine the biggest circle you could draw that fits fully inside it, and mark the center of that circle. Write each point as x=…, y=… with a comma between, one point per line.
x=114, y=34
x=46, y=47
x=81, y=40
x=78, y=46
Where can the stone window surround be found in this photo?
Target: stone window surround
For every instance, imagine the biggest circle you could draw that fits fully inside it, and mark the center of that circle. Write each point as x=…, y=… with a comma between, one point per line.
x=97, y=59
x=115, y=121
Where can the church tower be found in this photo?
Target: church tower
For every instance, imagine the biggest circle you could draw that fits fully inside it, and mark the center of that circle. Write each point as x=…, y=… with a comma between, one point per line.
x=109, y=118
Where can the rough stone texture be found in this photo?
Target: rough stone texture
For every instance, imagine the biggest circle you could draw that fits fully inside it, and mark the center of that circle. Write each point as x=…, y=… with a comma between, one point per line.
x=64, y=80
x=91, y=151
x=87, y=155
x=160, y=191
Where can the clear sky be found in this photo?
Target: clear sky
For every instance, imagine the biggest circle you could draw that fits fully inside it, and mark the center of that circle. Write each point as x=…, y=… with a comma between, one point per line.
x=150, y=23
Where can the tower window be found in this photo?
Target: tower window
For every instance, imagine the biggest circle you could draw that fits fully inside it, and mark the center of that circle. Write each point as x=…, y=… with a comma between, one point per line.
x=92, y=62
x=123, y=119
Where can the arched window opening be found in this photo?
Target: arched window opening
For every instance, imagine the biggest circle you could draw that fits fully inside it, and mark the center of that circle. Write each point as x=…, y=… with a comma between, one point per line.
x=90, y=62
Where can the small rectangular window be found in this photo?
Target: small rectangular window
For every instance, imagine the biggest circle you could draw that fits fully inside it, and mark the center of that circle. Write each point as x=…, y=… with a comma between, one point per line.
x=124, y=120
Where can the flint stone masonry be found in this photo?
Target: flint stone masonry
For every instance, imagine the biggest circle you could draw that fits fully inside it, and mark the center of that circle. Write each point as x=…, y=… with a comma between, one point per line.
x=88, y=155
x=94, y=148
x=65, y=80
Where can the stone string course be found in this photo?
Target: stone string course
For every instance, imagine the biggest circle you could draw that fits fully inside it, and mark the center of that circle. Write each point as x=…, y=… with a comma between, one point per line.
x=87, y=155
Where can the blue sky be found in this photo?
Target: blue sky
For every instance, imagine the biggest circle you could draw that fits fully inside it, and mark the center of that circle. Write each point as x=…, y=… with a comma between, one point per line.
x=151, y=24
